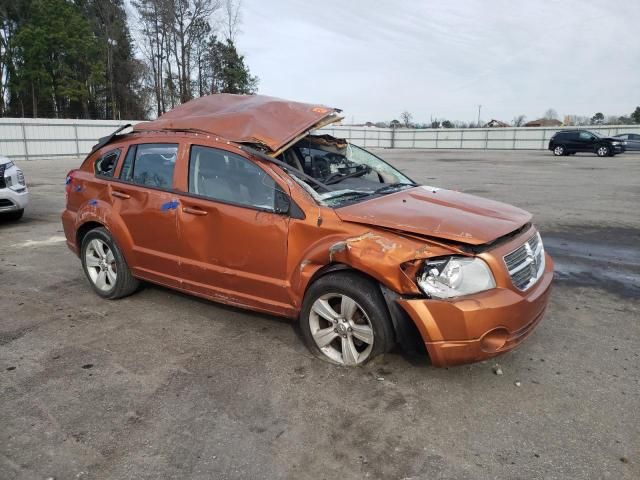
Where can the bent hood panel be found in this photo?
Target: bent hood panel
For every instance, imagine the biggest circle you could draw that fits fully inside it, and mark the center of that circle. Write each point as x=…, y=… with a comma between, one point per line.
x=260, y=119
x=439, y=213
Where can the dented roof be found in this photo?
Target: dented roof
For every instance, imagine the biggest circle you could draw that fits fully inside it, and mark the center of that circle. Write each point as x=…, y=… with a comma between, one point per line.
x=255, y=119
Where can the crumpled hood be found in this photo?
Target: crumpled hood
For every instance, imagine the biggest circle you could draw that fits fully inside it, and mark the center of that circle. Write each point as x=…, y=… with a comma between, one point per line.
x=438, y=213
x=255, y=119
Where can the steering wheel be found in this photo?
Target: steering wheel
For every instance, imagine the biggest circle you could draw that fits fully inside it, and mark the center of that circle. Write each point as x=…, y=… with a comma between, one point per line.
x=332, y=176
x=331, y=179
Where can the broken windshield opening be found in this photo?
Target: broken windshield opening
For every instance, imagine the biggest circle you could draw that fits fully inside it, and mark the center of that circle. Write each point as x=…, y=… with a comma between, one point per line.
x=348, y=172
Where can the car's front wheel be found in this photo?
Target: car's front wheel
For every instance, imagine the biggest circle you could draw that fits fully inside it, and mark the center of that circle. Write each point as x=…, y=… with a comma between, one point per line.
x=344, y=319
x=559, y=150
x=603, y=151
x=105, y=266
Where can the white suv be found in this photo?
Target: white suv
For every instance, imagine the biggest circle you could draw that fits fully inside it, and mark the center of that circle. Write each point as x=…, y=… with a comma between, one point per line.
x=14, y=195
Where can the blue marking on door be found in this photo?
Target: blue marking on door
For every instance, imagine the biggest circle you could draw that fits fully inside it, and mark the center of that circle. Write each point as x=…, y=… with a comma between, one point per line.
x=170, y=205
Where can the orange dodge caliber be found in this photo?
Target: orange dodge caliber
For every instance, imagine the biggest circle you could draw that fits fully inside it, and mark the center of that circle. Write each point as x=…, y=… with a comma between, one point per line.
x=240, y=200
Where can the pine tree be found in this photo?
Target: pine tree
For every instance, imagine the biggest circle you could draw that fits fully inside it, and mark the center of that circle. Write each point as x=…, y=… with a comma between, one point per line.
x=56, y=70
x=228, y=72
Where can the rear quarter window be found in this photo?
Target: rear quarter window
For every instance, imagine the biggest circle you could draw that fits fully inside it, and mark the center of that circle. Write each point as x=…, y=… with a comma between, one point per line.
x=105, y=165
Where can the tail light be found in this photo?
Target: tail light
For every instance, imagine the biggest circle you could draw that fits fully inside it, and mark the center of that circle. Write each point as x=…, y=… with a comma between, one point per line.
x=68, y=184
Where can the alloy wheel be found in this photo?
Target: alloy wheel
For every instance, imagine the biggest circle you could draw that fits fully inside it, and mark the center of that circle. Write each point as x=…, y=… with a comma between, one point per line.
x=603, y=151
x=101, y=265
x=559, y=150
x=341, y=329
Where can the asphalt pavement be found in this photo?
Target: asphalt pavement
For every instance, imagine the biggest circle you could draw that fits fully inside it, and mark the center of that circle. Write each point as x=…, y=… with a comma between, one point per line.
x=162, y=385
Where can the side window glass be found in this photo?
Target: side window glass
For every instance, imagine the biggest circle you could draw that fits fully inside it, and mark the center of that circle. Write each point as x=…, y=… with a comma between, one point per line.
x=225, y=176
x=150, y=164
x=106, y=164
x=585, y=136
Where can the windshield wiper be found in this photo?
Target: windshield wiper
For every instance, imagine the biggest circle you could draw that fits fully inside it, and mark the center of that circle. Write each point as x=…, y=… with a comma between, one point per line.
x=354, y=193
x=393, y=187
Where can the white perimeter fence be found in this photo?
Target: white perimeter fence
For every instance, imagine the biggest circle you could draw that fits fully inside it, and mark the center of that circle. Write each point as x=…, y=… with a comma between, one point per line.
x=25, y=138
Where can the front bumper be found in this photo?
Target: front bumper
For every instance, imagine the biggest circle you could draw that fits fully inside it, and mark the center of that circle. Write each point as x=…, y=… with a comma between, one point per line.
x=10, y=200
x=480, y=326
x=619, y=148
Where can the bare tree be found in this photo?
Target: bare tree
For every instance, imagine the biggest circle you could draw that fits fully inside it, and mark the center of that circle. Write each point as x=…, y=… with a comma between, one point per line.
x=406, y=118
x=518, y=121
x=154, y=29
x=174, y=36
x=577, y=120
x=551, y=114
x=232, y=19
x=188, y=16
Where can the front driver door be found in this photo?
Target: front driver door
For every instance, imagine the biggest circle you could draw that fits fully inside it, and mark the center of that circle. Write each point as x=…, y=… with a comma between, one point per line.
x=233, y=243
x=586, y=142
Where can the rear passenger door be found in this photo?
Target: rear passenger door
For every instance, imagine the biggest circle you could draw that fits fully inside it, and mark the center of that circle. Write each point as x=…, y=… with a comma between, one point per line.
x=144, y=200
x=570, y=141
x=234, y=243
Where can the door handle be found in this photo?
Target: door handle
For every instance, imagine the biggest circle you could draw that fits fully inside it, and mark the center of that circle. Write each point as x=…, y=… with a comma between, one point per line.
x=120, y=194
x=194, y=211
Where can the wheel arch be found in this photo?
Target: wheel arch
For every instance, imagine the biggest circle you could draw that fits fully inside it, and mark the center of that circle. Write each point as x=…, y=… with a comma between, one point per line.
x=406, y=333
x=85, y=228
x=115, y=227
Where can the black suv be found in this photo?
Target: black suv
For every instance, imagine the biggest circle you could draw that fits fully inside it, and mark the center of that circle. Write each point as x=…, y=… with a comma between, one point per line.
x=568, y=142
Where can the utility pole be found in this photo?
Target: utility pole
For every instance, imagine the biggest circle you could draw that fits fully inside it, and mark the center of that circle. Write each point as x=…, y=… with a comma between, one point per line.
x=478, y=124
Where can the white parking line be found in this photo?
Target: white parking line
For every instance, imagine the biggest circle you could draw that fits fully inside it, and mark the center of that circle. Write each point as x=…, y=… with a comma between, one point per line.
x=38, y=243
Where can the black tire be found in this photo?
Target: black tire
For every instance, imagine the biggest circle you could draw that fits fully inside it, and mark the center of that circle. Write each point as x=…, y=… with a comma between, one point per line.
x=559, y=150
x=125, y=284
x=603, y=150
x=14, y=215
x=366, y=294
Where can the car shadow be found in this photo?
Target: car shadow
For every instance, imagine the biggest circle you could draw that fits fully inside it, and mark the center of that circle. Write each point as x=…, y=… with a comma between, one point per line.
x=417, y=358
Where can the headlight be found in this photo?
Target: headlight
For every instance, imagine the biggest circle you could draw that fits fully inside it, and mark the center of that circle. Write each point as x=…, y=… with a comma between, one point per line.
x=454, y=276
x=615, y=143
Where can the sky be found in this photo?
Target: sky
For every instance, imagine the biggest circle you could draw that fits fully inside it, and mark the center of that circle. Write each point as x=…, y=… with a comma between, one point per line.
x=377, y=58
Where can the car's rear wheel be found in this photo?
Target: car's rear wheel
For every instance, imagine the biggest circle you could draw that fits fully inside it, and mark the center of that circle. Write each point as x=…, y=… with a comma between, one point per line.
x=344, y=319
x=105, y=266
x=603, y=151
x=559, y=150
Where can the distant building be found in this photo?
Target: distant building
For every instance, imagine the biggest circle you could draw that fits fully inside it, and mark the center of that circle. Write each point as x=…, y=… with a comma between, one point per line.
x=495, y=124
x=544, y=122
